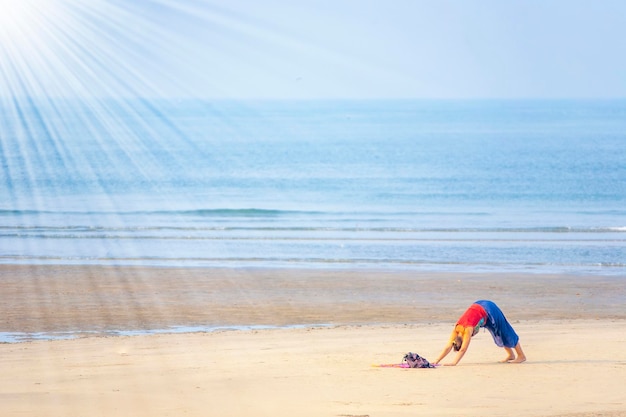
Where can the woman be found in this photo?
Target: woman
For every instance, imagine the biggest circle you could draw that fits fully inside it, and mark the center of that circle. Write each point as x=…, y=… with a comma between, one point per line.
x=483, y=313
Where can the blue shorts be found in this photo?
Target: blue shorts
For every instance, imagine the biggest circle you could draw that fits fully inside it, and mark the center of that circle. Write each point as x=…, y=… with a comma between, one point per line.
x=501, y=330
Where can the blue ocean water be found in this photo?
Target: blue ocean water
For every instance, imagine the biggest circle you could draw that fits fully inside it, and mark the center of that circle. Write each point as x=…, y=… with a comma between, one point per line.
x=536, y=186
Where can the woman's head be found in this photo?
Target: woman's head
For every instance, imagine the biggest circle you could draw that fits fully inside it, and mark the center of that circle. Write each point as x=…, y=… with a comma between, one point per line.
x=457, y=343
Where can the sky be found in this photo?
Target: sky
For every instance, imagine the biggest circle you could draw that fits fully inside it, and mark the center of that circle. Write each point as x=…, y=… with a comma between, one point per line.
x=313, y=49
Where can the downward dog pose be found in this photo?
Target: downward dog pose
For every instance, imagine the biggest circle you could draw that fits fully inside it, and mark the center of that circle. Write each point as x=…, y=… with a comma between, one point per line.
x=483, y=313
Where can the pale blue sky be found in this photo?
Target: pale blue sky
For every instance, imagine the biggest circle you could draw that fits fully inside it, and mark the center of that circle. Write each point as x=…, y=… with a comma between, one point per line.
x=323, y=49
x=410, y=48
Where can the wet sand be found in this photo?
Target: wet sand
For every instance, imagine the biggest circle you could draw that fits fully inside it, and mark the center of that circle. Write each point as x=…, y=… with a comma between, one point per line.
x=571, y=328
x=97, y=299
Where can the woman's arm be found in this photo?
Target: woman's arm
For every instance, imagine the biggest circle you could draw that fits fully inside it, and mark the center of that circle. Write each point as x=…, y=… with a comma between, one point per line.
x=467, y=337
x=448, y=347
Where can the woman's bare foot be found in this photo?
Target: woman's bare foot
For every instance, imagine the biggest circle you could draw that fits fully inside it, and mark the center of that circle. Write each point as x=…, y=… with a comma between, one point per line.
x=519, y=359
x=509, y=355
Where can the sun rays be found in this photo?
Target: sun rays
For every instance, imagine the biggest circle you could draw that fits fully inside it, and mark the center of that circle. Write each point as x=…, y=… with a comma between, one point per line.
x=125, y=64
x=98, y=49
x=65, y=49
x=54, y=54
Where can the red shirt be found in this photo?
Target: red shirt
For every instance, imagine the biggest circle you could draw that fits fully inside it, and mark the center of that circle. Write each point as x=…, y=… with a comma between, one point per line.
x=472, y=317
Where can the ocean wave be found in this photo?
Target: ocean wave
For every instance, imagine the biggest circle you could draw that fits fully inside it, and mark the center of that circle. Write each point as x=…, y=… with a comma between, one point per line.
x=295, y=239
x=224, y=212
x=304, y=261
x=218, y=212
x=87, y=229
x=243, y=213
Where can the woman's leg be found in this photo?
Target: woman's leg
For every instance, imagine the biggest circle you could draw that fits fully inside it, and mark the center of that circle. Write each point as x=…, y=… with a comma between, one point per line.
x=521, y=357
x=510, y=355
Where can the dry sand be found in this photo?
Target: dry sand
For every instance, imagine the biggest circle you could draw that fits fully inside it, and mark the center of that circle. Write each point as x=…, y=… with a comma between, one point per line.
x=572, y=329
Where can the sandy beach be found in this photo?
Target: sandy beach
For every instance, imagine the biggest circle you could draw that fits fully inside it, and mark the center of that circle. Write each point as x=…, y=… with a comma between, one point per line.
x=571, y=328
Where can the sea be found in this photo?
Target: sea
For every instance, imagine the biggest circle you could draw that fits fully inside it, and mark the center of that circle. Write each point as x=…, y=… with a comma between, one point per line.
x=533, y=186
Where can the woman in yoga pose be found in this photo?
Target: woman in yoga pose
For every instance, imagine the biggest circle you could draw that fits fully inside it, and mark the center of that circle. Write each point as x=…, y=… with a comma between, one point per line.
x=483, y=313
